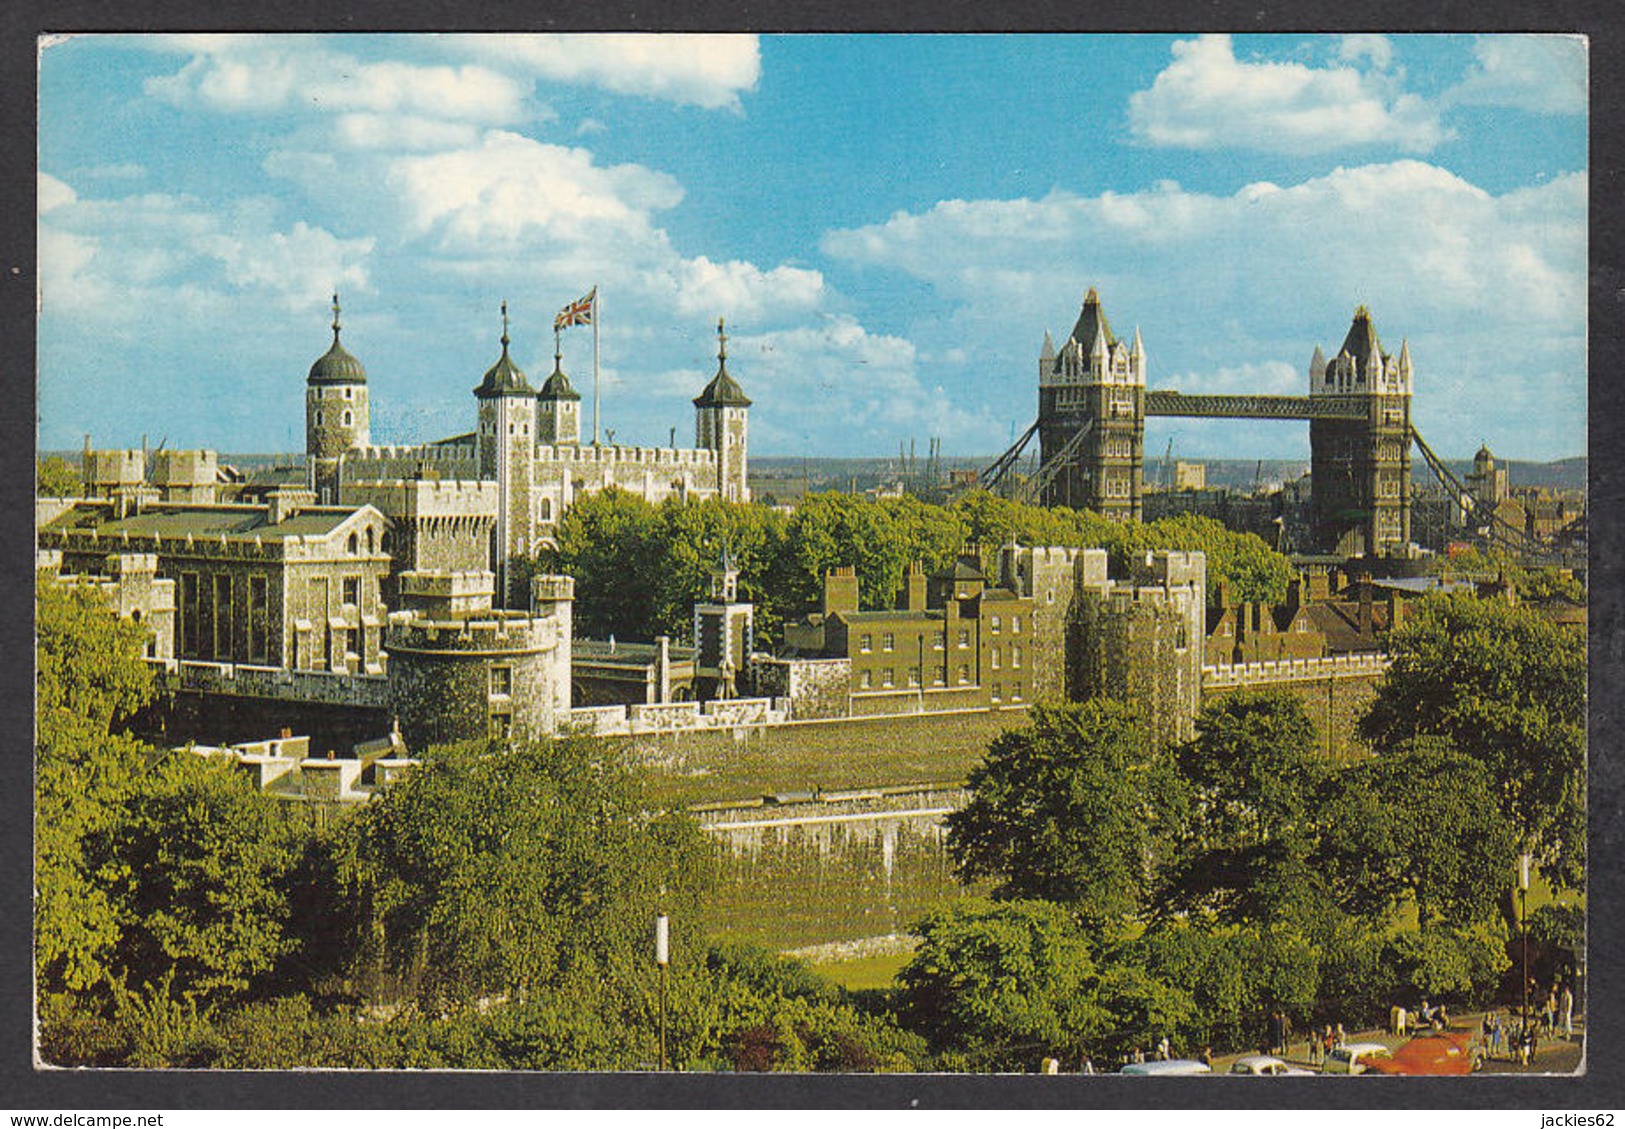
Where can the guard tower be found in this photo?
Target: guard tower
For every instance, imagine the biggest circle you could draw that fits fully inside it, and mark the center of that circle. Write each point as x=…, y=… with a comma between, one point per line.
x=338, y=417
x=724, y=633
x=507, y=454
x=1091, y=418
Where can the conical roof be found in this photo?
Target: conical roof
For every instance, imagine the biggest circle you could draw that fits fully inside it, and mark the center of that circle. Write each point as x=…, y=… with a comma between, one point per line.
x=1092, y=324
x=504, y=378
x=724, y=390
x=336, y=366
x=1362, y=343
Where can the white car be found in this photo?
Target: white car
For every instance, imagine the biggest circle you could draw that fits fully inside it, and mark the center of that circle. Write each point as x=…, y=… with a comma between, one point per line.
x=1168, y=1066
x=1353, y=1057
x=1265, y=1066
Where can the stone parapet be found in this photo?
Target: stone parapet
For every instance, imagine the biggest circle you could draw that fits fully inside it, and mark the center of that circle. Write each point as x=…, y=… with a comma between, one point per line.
x=243, y=680
x=1294, y=670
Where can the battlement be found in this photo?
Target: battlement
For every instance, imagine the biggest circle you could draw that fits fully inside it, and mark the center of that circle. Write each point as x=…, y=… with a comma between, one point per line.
x=245, y=680
x=185, y=468
x=673, y=457
x=552, y=589
x=486, y=631
x=107, y=468
x=1243, y=675
x=426, y=497
x=676, y=717
x=427, y=452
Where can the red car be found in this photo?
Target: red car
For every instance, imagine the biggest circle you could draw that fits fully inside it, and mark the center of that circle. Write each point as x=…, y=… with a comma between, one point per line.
x=1436, y=1052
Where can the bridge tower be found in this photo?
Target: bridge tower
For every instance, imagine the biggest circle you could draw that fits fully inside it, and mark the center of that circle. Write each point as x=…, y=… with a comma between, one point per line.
x=1361, y=468
x=1091, y=417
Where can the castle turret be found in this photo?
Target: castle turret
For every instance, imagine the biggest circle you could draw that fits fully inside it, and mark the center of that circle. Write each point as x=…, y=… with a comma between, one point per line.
x=558, y=405
x=507, y=454
x=337, y=415
x=720, y=414
x=724, y=628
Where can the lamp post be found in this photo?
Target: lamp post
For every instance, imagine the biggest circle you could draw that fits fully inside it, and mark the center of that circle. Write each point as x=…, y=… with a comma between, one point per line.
x=1523, y=929
x=662, y=958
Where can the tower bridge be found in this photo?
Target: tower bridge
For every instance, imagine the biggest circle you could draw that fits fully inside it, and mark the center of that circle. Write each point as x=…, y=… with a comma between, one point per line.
x=1093, y=403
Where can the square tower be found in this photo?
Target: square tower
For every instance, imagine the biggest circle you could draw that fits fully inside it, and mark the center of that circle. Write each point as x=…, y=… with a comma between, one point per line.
x=507, y=454
x=720, y=424
x=1091, y=418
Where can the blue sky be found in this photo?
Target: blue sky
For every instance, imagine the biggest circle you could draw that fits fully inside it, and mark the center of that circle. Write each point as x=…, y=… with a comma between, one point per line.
x=889, y=224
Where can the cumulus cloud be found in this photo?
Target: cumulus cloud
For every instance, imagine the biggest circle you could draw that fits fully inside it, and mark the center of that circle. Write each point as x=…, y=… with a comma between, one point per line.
x=270, y=74
x=1208, y=99
x=709, y=71
x=1543, y=73
x=1482, y=284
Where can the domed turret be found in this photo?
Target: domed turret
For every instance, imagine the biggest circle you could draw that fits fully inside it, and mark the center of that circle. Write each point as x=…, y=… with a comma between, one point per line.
x=720, y=421
x=338, y=415
x=558, y=405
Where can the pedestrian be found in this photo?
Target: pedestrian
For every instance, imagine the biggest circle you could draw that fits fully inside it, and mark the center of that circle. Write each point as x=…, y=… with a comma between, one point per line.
x=1207, y=1057
x=1497, y=1033
x=1139, y=1055
x=1568, y=1011
x=1163, y=1049
x=1551, y=1011
x=1341, y=1037
x=1088, y=1066
x=1328, y=1040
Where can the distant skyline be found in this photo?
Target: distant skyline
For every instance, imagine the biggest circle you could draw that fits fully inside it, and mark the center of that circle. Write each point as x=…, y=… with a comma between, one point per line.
x=889, y=224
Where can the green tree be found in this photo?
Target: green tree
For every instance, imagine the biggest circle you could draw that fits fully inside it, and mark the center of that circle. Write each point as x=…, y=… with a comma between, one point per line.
x=1076, y=807
x=90, y=677
x=1253, y=773
x=1252, y=570
x=1006, y=982
x=1507, y=688
x=612, y=544
x=55, y=477
x=1420, y=824
x=488, y=872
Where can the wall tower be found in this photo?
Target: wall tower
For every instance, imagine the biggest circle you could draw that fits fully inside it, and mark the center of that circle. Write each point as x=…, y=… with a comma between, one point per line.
x=337, y=415
x=507, y=454
x=1094, y=382
x=720, y=425
x=558, y=406
x=1361, y=468
x=724, y=633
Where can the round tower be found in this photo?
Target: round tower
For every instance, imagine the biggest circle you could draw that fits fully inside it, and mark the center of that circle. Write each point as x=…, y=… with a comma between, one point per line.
x=338, y=417
x=488, y=674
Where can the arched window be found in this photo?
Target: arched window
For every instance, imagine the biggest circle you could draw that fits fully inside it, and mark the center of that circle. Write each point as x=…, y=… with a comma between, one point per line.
x=369, y=539
x=545, y=511
x=346, y=417
x=383, y=542
x=351, y=545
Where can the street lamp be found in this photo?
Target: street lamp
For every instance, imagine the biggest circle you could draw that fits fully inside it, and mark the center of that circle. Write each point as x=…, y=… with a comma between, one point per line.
x=662, y=958
x=1523, y=930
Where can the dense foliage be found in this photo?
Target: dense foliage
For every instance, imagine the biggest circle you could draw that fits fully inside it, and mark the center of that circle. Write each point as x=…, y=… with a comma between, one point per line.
x=640, y=566
x=1507, y=688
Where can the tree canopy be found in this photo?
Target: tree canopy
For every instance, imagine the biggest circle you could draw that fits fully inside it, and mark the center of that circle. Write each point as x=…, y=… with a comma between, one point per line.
x=1507, y=688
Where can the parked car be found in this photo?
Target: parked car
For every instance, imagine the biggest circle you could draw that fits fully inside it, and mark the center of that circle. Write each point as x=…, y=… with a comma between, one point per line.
x=1265, y=1065
x=1167, y=1067
x=1452, y=1051
x=1354, y=1058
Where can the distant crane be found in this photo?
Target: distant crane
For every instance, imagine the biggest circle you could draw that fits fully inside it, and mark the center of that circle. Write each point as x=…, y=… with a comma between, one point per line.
x=1168, y=466
x=1258, y=478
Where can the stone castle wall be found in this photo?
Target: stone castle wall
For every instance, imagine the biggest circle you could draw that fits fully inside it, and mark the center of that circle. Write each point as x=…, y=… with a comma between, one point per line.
x=1335, y=692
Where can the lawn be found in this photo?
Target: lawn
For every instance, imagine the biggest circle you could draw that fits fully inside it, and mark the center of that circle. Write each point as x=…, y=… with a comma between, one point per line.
x=863, y=973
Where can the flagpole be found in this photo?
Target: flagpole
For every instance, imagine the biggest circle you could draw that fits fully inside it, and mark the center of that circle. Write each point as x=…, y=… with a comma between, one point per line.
x=595, y=366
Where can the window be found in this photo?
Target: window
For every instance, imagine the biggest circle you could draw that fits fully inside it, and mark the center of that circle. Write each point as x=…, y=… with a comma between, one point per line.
x=347, y=417
x=352, y=546
x=1015, y=692
x=993, y=625
x=886, y=677
x=866, y=680
x=501, y=726
x=318, y=417
x=191, y=615
x=501, y=681
x=993, y=658
x=939, y=676
x=964, y=673
x=369, y=541
x=888, y=642
x=913, y=676
x=222, y=618
x=937, y=640
x=259, y=615
x=1015, y=656
x=998, y=691
x=352, y=591
x=1015, y=625
x=964, y=637
x=866, y=643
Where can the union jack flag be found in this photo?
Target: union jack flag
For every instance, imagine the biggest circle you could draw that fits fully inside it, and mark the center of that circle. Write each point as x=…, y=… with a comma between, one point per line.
x=579, y=312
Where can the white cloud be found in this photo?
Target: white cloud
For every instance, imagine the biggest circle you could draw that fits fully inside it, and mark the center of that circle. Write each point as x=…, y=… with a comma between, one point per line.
x=1375, y=48
x=709, y=71
x=1486, y=285
x=743, y=290
x=1543, y=73
x=401, y=132
x=53, y=193
x=1208, y=99
x=270, y=74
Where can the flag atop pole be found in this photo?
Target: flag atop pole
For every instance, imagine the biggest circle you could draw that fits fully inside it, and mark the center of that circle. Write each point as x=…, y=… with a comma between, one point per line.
x=584, y=311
